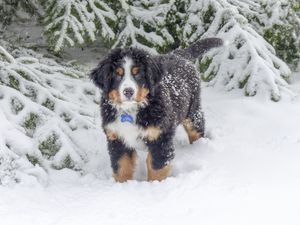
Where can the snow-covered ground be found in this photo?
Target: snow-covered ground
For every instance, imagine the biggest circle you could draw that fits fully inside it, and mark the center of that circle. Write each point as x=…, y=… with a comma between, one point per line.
x=246, y=172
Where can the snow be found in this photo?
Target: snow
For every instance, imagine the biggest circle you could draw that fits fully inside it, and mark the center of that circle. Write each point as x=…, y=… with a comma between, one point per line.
x=245, y=172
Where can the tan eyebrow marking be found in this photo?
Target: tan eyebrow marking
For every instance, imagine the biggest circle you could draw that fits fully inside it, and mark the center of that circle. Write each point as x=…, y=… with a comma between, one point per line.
x=120, y=71
x=135, y=70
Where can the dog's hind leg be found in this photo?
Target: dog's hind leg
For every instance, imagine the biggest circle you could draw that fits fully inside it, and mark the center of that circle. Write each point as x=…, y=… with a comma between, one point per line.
x=194, y=124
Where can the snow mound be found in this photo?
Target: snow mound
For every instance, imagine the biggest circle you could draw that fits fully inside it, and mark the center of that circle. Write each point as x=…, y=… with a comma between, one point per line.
x=247, y=173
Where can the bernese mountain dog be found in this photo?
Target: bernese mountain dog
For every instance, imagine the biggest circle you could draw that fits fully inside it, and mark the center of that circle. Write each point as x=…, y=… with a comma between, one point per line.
x=144, y=98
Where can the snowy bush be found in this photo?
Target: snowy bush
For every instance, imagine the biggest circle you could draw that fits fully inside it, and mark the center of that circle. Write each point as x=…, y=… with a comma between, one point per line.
x=277, y=21
x=247, y=61
x=15, y=162
x=282, y=29
x=48, y=107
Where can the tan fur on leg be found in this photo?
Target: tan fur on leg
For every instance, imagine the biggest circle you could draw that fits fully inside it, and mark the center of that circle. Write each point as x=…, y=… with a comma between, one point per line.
x=126, y=168
x=192, y=133
x=160, y=174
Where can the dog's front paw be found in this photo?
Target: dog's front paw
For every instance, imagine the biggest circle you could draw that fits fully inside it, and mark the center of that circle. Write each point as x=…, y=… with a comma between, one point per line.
x=152, y=133
x=157, y=174
x=126, y=166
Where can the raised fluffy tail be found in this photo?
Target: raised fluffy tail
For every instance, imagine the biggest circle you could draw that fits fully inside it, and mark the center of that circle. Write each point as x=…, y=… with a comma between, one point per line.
x=199, y=48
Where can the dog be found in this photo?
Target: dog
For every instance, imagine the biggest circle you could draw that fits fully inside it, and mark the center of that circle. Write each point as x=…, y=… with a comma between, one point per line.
x=144, y=98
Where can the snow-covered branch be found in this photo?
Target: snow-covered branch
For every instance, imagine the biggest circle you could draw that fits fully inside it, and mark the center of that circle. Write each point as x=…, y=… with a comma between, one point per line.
x=133, y=31
x=71, y=21
x=48, y=107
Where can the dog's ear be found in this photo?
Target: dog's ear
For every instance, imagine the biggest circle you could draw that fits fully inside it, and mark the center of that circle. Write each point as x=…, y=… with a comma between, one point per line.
x=154, y=73
x=101, y=75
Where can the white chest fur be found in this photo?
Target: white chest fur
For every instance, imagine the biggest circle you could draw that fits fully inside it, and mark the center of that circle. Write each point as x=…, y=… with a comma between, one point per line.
x=130, y=133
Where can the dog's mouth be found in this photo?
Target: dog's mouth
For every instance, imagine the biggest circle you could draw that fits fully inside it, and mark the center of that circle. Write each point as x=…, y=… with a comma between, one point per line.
x=121, y=100
x=128, y=100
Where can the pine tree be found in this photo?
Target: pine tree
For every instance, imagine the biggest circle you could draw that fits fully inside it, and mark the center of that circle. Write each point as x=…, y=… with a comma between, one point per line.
x=247, y=61
x=120, y=23
x=278, y=22
x=256, y=32
x=140, y=25
x=282, y=29
x=76, y=21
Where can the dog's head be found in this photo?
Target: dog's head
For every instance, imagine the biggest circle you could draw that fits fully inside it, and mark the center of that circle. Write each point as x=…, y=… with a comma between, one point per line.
x=127, y=76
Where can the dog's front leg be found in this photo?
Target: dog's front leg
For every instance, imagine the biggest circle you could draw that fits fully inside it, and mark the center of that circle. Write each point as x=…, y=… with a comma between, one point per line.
x=123, y=159
x=161, y=152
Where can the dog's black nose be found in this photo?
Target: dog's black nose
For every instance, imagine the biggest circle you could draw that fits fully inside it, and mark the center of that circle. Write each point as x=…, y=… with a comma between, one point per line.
x=128, y=92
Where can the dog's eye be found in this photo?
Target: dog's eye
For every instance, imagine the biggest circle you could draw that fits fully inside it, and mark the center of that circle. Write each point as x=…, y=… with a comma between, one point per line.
x=120, y=71
x=135, y=70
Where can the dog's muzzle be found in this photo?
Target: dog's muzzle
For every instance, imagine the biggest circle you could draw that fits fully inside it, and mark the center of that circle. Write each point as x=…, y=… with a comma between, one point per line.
x=128, y=93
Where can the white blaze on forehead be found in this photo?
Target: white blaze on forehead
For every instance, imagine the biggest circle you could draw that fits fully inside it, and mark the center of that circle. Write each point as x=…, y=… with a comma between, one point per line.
x=128, y=81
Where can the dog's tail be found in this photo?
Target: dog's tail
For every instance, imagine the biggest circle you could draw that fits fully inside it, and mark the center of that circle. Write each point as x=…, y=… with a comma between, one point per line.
x=199, y=48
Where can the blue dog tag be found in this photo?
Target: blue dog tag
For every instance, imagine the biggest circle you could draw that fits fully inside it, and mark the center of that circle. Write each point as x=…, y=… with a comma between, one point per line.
x=126, y=118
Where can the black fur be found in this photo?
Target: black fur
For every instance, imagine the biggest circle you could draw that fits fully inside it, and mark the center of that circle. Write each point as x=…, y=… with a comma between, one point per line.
x=174, y=96
x=108, y=112
x=162, y=149
x=154, y=71
x=199, y=48
x=117, y=149
x=101, y=75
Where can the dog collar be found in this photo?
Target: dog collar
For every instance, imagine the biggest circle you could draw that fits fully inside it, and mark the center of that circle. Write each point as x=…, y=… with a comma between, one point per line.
x=126, y=118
